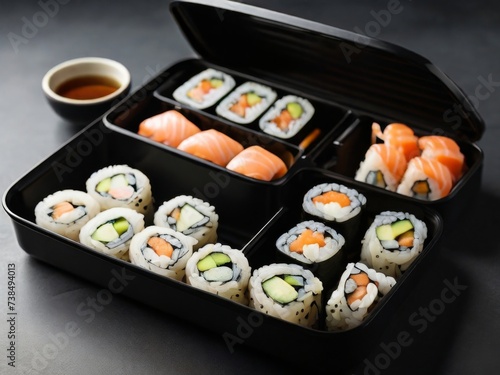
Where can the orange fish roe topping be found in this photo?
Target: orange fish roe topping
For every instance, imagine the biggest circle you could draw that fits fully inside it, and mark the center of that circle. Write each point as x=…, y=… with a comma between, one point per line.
x=331, y=197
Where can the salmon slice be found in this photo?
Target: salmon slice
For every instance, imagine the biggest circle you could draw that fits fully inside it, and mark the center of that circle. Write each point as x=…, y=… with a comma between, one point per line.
x=393, y=158
x=307, y=237
x=446, y=151
x=169, y=127
x=257, y=162
x=333, y=197
x=399, y=136
x=61, y=208
x=211, y=145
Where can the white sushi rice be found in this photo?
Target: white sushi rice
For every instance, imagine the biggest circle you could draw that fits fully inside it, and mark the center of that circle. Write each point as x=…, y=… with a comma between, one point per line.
x=267, y=125
x=341, y=316
x=141, y=200
x=267, y=94
x=303, y=311
x=333, y=211
x=70, y=223
x=311, y=253
x=145, y=257
x=392, y=262
x=204, y=231
x=234, y=289
x=136, y=224
x=181, y=93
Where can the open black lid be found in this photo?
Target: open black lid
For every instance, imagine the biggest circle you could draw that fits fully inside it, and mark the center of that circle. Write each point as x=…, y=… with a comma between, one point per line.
x=359, y=72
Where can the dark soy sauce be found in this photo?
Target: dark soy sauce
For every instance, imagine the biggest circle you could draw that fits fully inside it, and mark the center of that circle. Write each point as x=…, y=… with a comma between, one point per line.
x=87, y=87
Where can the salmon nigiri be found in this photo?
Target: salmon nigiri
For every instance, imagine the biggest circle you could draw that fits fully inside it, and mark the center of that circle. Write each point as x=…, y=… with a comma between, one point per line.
x=445, y=150
x=398, y=135
x=211, y=145
x=169, y=127
x=383, y=166
x=257, y=162
x=426, y=179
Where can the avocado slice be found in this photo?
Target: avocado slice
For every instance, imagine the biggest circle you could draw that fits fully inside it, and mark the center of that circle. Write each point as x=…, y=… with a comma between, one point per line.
x=384, y=232
x=294, y=280
x=121, y=225
x=187, y=217
x=216, y=82
x=400, y=227
x=105, y=233
x=253, y=98
x=104, y=185
x=220, y=258
x=279, y=290
x=206, y=263
x=295, y=109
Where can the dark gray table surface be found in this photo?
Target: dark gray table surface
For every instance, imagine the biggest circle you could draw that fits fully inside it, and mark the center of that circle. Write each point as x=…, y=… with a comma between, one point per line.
x=460, y=37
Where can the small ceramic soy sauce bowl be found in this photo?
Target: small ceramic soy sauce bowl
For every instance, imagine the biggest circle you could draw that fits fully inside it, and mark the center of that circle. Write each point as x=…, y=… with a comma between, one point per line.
x=82, y=89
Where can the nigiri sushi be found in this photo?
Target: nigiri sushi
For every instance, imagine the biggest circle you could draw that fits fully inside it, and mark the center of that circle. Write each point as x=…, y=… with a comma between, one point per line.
x=257, y=162
x=383, y=166
x=211, y=145
x=399, y=136
x=446, y=151
x=169, y=127
x=426, y=179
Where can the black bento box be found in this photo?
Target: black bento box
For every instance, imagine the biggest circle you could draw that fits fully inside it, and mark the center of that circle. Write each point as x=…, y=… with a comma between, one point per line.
x=351, y=80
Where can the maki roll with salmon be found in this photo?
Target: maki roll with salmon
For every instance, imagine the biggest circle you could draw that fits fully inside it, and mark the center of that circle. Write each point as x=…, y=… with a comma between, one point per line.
x=169, y=128
x=111, y=231
x=256, y=162
x=392, y=242
x=66, y=211
x=360, y=288
x=162, y=251
x=287, y=117
x=246, y=102
x=190, y=216
x=121, y=186
x=204, y=89
x=221, y=270
x=286, y=291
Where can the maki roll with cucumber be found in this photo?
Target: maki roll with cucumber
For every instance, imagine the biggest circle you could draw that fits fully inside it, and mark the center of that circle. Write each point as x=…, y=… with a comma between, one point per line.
x=287, y=117
x=392, y=242
x=66, y=211
x=360, y=288
x=111, y=231
x=162, y=251
x=246, y=103
x=286, y=291
x=221, y=270
x=204, y=89
x=191, y=216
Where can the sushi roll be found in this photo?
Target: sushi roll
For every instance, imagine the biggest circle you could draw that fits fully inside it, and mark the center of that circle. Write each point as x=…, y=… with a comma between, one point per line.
x=383, y=166
x=121, y=186
x=204, y=89
x=111, y=231
x=211, y=145
x=246, y=102
x=191, y=216
x=169, y=128
x=426, y=179
x=314, y=246
x=392, y=242
x=286, y=291
x=360, y=288
x=446, y=151
x=66, y=211
x=221, y=270
x=162, y=251
x=256, y=162
x=287, y=117
x=398, y=135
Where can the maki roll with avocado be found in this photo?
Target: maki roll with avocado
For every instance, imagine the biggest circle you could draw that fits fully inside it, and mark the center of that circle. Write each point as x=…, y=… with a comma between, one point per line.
x=246, y=103
x=221, y=270
x=392, y=242
x=358, y=291
x=204, y=89
x=287, y=117
x=162, y=251
x=111, y=231
x=286, y=291
x=191, y=216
